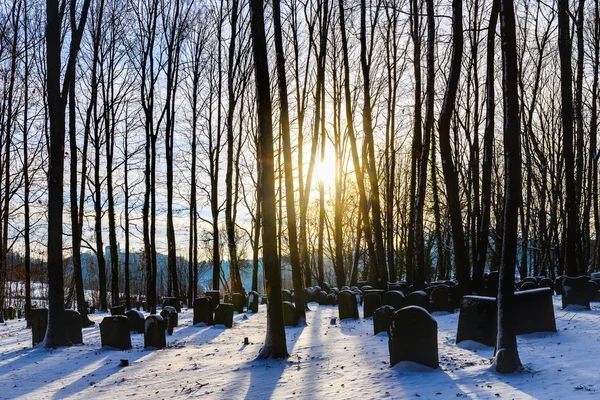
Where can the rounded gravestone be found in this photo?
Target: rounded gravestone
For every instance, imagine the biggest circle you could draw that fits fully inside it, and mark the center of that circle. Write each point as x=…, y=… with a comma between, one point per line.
x=215, y=295
x=239, y=300
x=154, y=332
x=546, y=283
x=372, y=302
x=418, y=298
x=394, y=298
x=114, y=332
x=171, y=302
x=558, y=284
x=39, y=323
x=528, y=285
x=440, y=299
x=117, y=310
x=253, y=298
x=331, y=299
x=286, y=295
x=321, y=298
x=347, y=305
x=326, y=287
x=382, y=317
x=290, y=315
x=136, y=321
x=171, y=318
x=576, y=291
x=413, y=337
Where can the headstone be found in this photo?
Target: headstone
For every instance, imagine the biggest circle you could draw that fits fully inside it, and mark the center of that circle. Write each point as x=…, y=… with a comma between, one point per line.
x=224, y=315
x=576, y=291
x=216, y=298
x=326, y=287
x=418, y=298
x=309, y=294
x=203, y=311
x=286, y=295
x=253, y=298
x=331, y=299
x=321, y=298
x=171, y=302
x=72, y=324
x=365, y=288
x=547, y=283
x=334, y=290
x=477, y=320
x=394, y=298
x=228, y=298
x=440, y=299
x=239, y=300
x=39, y=323
x=534, y=311
x=558, y=284
x=455, y=296
x=10, y=312
x=170, y=317
x=290, y=316
x=413, y=337
x=372, y=302
x=117, y=310
x=263, y=300
x=154, y=332
x=347, y=305
x=136, y=321
x=382, y=317
x=528, y=285
x=529, y=279
x=114, y=332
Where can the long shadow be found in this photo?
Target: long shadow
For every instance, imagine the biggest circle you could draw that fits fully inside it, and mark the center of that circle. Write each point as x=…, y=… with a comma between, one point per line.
x=262, y=384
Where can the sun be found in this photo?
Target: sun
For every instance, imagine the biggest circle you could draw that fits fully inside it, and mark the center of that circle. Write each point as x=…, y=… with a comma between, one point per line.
x=326, y=171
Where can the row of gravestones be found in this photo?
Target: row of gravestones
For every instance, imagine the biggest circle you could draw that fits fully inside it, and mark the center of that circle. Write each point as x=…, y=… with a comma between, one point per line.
x=115, y=331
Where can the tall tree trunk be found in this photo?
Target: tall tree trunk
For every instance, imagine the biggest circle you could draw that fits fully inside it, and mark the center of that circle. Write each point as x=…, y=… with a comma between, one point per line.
x=507, y=357
x=564, y=49
x=450, y=173
x=275, y=344
x=290, y=204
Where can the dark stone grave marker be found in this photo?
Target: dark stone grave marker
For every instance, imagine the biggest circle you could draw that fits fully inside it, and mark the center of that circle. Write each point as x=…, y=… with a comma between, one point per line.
x=290, y=316
x=216, y=298
x=114, y=332
x=253, y=298
x=154, y=332
x=394, y=298
x=170, y=317
x=382, y=317
x=239, y=300
x=203, y=311
x=171, y=302
x=72, y=323
x=39, y=323
x=418, y=298
x=477, y=320
x=372, y=302
x=576, y=291
x=347, y=305
x=413, y=337
x=136, y=321
x=117, y=310
x=440, y=299
x=224, y=315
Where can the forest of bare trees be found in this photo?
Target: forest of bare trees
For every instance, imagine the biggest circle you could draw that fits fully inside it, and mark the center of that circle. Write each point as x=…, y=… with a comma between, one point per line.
x=337, y=142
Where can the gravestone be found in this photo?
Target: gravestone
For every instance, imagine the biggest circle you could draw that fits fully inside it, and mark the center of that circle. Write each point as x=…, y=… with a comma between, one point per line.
x=253, y=298
x=394, y=298
x=418, y=298
x=290, y=316
x=413, y=337
x=39, y=323
x=203, y=311
x=576, y=291
x=547, y=283
x=224, y=315
x=347, y=305
x=477, y=320
x=239, y=300
x=216, y=298
x=558, y=284
x=455, y=296
x=170, y=317
x=326, y=287
x=365, y=288
x=534, y=311
x=593, y=288
x=372, y=302
x=263, y=300
x=136, y=321
x=171, y=302
x=440, y=299
x=321, y=298
x=154, y=331
x=527, y=285
x=117, y=310
x=401, y=286
x=331, y=299
x=286, y=295
x=73, y=328
x=228, y=298
x=114, y=332
x=382, y=317
x=309, y=294
x=335, y=290
x=529, y=279
x=10, y=312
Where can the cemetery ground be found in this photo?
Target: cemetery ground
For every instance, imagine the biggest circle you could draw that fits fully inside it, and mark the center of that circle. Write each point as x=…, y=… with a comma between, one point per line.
x=327, y=361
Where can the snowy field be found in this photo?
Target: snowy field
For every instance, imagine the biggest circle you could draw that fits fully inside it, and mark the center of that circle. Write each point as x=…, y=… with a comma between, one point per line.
x=326, y=361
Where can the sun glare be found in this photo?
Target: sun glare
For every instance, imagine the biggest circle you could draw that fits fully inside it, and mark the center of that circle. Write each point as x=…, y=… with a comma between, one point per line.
x=326, y=171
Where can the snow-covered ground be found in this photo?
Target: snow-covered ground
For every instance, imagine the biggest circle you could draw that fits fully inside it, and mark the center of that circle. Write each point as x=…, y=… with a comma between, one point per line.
x=326, y=361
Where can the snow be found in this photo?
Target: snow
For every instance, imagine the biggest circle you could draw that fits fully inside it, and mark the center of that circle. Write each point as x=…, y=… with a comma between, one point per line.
x=343, y=360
